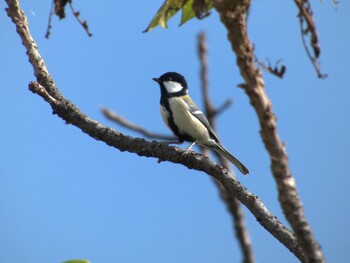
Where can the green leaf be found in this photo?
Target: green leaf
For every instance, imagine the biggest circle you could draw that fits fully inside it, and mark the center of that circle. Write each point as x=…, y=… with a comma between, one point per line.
x=77, y=261
x=187, y=12
x=165, y=12
x=190, y=9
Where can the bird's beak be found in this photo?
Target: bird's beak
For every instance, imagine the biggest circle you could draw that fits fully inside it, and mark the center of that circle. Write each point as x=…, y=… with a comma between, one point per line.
x=156, y=80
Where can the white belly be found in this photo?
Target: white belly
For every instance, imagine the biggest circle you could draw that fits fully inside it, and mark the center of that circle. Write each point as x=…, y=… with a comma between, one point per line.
x=187, y=123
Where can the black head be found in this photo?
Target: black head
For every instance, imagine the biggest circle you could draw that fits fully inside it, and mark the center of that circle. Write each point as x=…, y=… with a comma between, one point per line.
x=172, y=84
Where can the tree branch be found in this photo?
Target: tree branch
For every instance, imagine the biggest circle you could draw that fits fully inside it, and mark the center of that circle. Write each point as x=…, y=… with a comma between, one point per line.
x=49, y=26
x=232, y=14
x=134, y=127
x=307, y=26
x=46, y=88
x=83, y=23
x=58, y=8
x=231, y=202
x=274, y=70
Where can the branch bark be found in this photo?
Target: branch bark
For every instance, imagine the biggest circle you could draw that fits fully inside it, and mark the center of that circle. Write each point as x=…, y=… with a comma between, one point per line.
x=46, y=88
x=233, y=14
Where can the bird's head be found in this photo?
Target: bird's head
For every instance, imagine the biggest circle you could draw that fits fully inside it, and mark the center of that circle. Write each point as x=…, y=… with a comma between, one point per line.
x=172, y=84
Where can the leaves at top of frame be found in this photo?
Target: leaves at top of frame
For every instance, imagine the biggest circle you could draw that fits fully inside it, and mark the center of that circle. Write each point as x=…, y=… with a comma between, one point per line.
x=190, y=9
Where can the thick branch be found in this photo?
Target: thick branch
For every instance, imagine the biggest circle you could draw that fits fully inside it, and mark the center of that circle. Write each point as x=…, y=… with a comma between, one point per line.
x=232, y=14
x=45, y=87
x=232, y=203
x=71, y=114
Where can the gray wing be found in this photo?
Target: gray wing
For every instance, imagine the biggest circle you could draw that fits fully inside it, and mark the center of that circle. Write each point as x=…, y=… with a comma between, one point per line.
x=200, y=116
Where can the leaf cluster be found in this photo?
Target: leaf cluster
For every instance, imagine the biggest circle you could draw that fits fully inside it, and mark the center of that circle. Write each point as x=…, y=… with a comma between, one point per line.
x=190, y=9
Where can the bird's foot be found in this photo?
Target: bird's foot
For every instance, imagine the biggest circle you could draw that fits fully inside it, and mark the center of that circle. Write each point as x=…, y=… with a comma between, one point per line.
x=188, y=149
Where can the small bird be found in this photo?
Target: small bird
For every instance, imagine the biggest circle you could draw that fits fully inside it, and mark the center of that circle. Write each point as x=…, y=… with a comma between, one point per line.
x=185, y=120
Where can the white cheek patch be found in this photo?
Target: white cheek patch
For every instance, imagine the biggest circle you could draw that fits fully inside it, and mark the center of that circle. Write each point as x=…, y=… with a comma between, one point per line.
x=172, y=87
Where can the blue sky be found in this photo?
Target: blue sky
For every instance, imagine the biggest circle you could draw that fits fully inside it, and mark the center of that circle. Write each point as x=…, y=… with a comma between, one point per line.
x=64, y=195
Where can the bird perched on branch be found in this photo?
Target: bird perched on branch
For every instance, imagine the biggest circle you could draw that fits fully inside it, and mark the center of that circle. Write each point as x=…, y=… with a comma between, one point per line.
x=185, y=120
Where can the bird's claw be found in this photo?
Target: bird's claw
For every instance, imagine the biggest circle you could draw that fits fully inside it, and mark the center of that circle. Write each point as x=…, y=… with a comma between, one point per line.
x=189, y=149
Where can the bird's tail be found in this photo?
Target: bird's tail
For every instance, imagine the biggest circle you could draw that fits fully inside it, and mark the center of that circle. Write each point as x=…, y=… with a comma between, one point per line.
x=223, y=152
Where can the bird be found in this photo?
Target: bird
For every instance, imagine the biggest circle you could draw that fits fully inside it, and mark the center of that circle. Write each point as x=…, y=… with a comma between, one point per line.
x=187, y=122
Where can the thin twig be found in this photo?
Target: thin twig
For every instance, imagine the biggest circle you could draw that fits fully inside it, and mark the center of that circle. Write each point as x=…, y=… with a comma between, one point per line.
x=211, y=111
x=224, y=106
x=274, y=70
x=305, y=16
x=72, y=115
x=134, y=127
x=313, y=59
x=232, y=203
x=81, y=22
x=232, y=15
x=47, y=35
x=58, y=8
